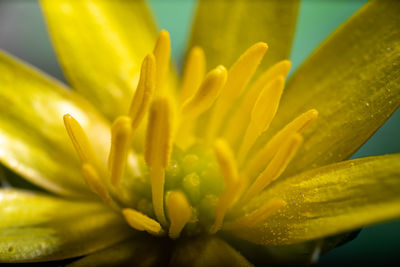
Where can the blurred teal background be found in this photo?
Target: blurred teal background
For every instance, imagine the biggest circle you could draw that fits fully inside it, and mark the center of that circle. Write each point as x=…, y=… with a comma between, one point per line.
x=22, y=33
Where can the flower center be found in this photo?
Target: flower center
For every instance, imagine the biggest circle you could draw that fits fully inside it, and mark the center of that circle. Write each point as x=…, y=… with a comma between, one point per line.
x=200, y=159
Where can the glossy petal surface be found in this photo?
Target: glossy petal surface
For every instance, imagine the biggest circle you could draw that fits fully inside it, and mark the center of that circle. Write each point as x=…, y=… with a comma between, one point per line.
x=37, y=227
x=353, y=80
x=330, y=200
x=33, y=139
x=207, y=252
x=101, y=45
x=225, y=29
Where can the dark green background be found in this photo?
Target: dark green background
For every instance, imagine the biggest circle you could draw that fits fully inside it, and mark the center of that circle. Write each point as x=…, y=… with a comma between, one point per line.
x=22, y=33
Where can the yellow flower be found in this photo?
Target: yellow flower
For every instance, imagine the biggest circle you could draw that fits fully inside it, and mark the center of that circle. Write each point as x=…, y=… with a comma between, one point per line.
x=199, y=175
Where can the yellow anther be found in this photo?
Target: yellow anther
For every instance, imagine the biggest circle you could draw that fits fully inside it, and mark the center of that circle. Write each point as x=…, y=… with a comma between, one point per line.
x=200, y=102
x=229, y=171
x=238, y=77
x=243, y=111
x=281, y=68
x=275, y=168
x=193, y=73
x=257, y=216
x=262, y=114
x=95, y=184
x=159, y=133
x=121, y=132
x=206, y=94
x=254, y=166
x=158, y=151
x=162, y=51
x=80, y=140
x=141, y=222
x=144, y=91
x=242, y=71
x=179, y=212
x=267, y=104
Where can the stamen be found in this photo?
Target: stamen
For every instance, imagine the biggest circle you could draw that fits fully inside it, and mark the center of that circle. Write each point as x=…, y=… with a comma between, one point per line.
x=193, y=73
x=257, y=216
x=141, y=222
x=227, y=165
x=158, y=151
x=275, y=168
x=263, y=112
x=206, y=94
x=179, y=212
x=162, y=51
x=199, y=103
x=243, y=111
x=92, y=179
x=298, y=125
x=144, y=91
x=238, y=77
x=121, y=132
x=279, y=69
x=80, y=140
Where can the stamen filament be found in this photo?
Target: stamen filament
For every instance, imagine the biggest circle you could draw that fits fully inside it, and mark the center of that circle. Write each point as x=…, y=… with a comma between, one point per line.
x=141, y=222
x=238, y=77
x=275, y=168
x=257, y=216
x=243, y=111
x=121, y=132
x=158, y=151
x=227, y=165
x=157, y=179
x=80, y=140
x=193, y=73
x=263, y=112
x=144, y=91
x=255, y=165
x=179, y=212
x=162, y=51
x=93, y=181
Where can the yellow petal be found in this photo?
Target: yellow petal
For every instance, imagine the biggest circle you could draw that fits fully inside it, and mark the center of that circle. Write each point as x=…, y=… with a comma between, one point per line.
x=101, y=45
x=144, y=252
x=33, y=139
x=38, y=227
x=236, y=25
x=352, y=80
x=289, y=255
x=206, y=252
x=329, y=200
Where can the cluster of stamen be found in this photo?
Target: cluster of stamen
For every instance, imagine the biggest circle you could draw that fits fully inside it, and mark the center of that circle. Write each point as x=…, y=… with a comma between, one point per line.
x=236, y=117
